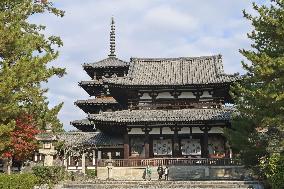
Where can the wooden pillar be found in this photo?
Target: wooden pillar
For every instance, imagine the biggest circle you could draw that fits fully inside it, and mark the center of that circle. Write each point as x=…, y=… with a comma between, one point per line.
x=147, y=130
x=146, y=145
x=204, y=146
x=126, y=146
x=176, y=145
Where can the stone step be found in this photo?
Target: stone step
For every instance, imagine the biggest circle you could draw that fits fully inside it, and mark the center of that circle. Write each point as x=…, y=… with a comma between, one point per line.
x=165, y=185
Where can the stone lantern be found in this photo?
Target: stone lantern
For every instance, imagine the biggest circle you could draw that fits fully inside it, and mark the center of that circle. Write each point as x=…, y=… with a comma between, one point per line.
x=47, y=149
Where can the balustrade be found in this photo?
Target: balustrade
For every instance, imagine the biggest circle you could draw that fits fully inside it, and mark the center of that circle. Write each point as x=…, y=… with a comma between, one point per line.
x=171, y=162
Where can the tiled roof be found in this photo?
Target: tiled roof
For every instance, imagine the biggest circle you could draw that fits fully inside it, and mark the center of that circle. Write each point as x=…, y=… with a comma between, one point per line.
x=83, y=125
x=92, y=87
x=45, y=136
x=74, y=139
x=102, y=139
x=102, y=100
x=174, y=71
x=183, y=115
x=106, y=63
x=91, y=82
x=95, y=139
x=82, y=122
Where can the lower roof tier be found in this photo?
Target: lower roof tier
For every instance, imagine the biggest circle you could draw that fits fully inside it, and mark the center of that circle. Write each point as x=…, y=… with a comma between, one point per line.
x=83, y=125
x=93, y=87
x=162, y=116
x=99, y=100
x=97, y=104
x=95, y=139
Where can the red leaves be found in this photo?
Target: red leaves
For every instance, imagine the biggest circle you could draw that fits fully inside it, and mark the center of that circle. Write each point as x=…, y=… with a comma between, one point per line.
x=23, y=141
x=7, y=154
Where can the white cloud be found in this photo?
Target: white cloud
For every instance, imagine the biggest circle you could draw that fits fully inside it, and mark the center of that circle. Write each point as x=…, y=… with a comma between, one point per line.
x=144, y=29
x=167, y=18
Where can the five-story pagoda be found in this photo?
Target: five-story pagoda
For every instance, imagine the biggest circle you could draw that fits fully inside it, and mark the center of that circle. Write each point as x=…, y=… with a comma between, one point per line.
x=158, y=107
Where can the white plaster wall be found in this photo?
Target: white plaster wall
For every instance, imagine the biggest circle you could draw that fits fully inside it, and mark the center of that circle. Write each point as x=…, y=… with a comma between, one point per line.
x=196, y=130
x=206, y=94
x=136, y=131
x=186, y=95
x=145, y=96
x=213, y=130
x=165, y=95
x=156, y=131
x=166, y=130
x=184, y=130
x=216, y=130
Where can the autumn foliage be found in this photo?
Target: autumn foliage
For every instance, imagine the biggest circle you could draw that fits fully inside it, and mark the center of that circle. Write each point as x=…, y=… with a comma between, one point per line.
x=23, y=141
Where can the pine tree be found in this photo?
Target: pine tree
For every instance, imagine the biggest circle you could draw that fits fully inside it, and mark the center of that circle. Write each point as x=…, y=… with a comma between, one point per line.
x=258, y=127
x=24, y=56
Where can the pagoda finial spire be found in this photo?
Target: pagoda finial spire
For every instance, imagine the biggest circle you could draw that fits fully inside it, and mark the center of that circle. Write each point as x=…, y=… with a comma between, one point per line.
x=112, y=39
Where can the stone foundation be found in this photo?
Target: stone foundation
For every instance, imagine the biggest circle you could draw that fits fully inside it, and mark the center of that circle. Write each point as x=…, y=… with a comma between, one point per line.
x=175, y=173
x=164, y=185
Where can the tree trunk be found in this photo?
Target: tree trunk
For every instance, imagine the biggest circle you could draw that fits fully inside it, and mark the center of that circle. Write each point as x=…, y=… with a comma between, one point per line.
x=9, y=164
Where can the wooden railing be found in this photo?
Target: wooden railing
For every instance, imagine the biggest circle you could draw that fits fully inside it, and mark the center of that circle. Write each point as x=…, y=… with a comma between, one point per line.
x=169, y=162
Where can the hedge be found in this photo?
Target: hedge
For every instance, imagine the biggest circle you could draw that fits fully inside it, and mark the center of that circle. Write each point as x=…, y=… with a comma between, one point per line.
x=49, y=175
x=18, y=181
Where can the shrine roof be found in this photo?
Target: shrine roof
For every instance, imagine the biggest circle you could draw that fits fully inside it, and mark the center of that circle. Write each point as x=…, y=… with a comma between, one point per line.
x=107, y=63
x=175, y=71
x=101, y=100
x=183, y=115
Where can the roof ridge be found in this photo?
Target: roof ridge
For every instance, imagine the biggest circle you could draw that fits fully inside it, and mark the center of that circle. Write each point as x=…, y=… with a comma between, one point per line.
x=175, y=58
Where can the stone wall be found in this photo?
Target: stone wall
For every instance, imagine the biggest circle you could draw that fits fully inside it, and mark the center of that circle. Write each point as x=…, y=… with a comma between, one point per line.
x=175, y=173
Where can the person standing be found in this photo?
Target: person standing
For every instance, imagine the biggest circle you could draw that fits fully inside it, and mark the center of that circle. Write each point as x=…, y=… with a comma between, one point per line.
x=166, y=171
x=148, y=173
x=160, y=172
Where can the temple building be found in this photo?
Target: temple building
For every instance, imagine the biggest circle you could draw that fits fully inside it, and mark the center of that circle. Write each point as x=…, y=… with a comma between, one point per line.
x=156, y=107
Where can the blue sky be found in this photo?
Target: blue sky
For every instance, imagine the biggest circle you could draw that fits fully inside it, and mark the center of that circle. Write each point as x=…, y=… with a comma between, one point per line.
x=144, y=28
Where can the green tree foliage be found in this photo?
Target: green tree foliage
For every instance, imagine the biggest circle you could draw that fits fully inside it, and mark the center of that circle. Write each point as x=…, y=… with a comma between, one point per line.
x=258, y=127
x=24, y=54
x=273, y=167
x=50, y=175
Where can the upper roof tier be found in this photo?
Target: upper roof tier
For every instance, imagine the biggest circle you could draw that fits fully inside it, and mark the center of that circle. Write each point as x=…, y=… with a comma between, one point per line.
x=109, y=62
x=174, y=71
x=105, y=64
